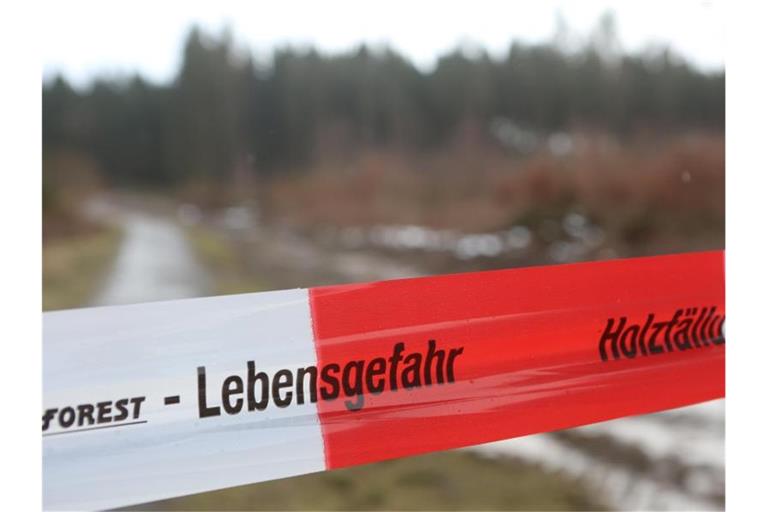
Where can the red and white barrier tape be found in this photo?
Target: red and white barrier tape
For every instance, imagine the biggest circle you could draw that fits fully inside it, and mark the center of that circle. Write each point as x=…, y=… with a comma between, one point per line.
x=155, y=400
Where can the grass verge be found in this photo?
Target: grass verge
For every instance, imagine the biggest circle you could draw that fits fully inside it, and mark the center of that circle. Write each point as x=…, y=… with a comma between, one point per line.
x=74, y=266
x=453, y=480
x=224, y=261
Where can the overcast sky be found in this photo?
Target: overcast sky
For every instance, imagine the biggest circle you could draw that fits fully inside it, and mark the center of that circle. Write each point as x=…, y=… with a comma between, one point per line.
x=84, y=39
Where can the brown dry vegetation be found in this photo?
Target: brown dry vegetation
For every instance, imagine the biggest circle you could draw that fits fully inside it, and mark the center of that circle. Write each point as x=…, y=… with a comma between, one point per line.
x=77, y=250
x=69, y=178
x=644, y=193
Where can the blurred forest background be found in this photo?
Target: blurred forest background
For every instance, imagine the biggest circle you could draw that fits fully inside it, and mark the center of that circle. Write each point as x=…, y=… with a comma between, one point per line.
x=308, y=168
x=631, y=142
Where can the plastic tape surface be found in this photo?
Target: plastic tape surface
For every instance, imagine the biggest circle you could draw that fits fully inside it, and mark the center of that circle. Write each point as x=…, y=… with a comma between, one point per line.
x=156, y=400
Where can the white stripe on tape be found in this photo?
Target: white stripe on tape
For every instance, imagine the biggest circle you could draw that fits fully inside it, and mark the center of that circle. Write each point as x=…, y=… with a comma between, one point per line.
x=140, y=354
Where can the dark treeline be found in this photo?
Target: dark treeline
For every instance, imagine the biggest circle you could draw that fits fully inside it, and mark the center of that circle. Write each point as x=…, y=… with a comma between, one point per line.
x=224, y=113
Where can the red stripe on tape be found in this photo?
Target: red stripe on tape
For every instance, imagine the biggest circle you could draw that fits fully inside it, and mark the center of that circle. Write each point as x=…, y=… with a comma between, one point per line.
x=530, y=350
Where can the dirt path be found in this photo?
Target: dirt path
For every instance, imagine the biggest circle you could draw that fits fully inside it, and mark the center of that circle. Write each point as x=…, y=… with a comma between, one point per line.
x=154, y=262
